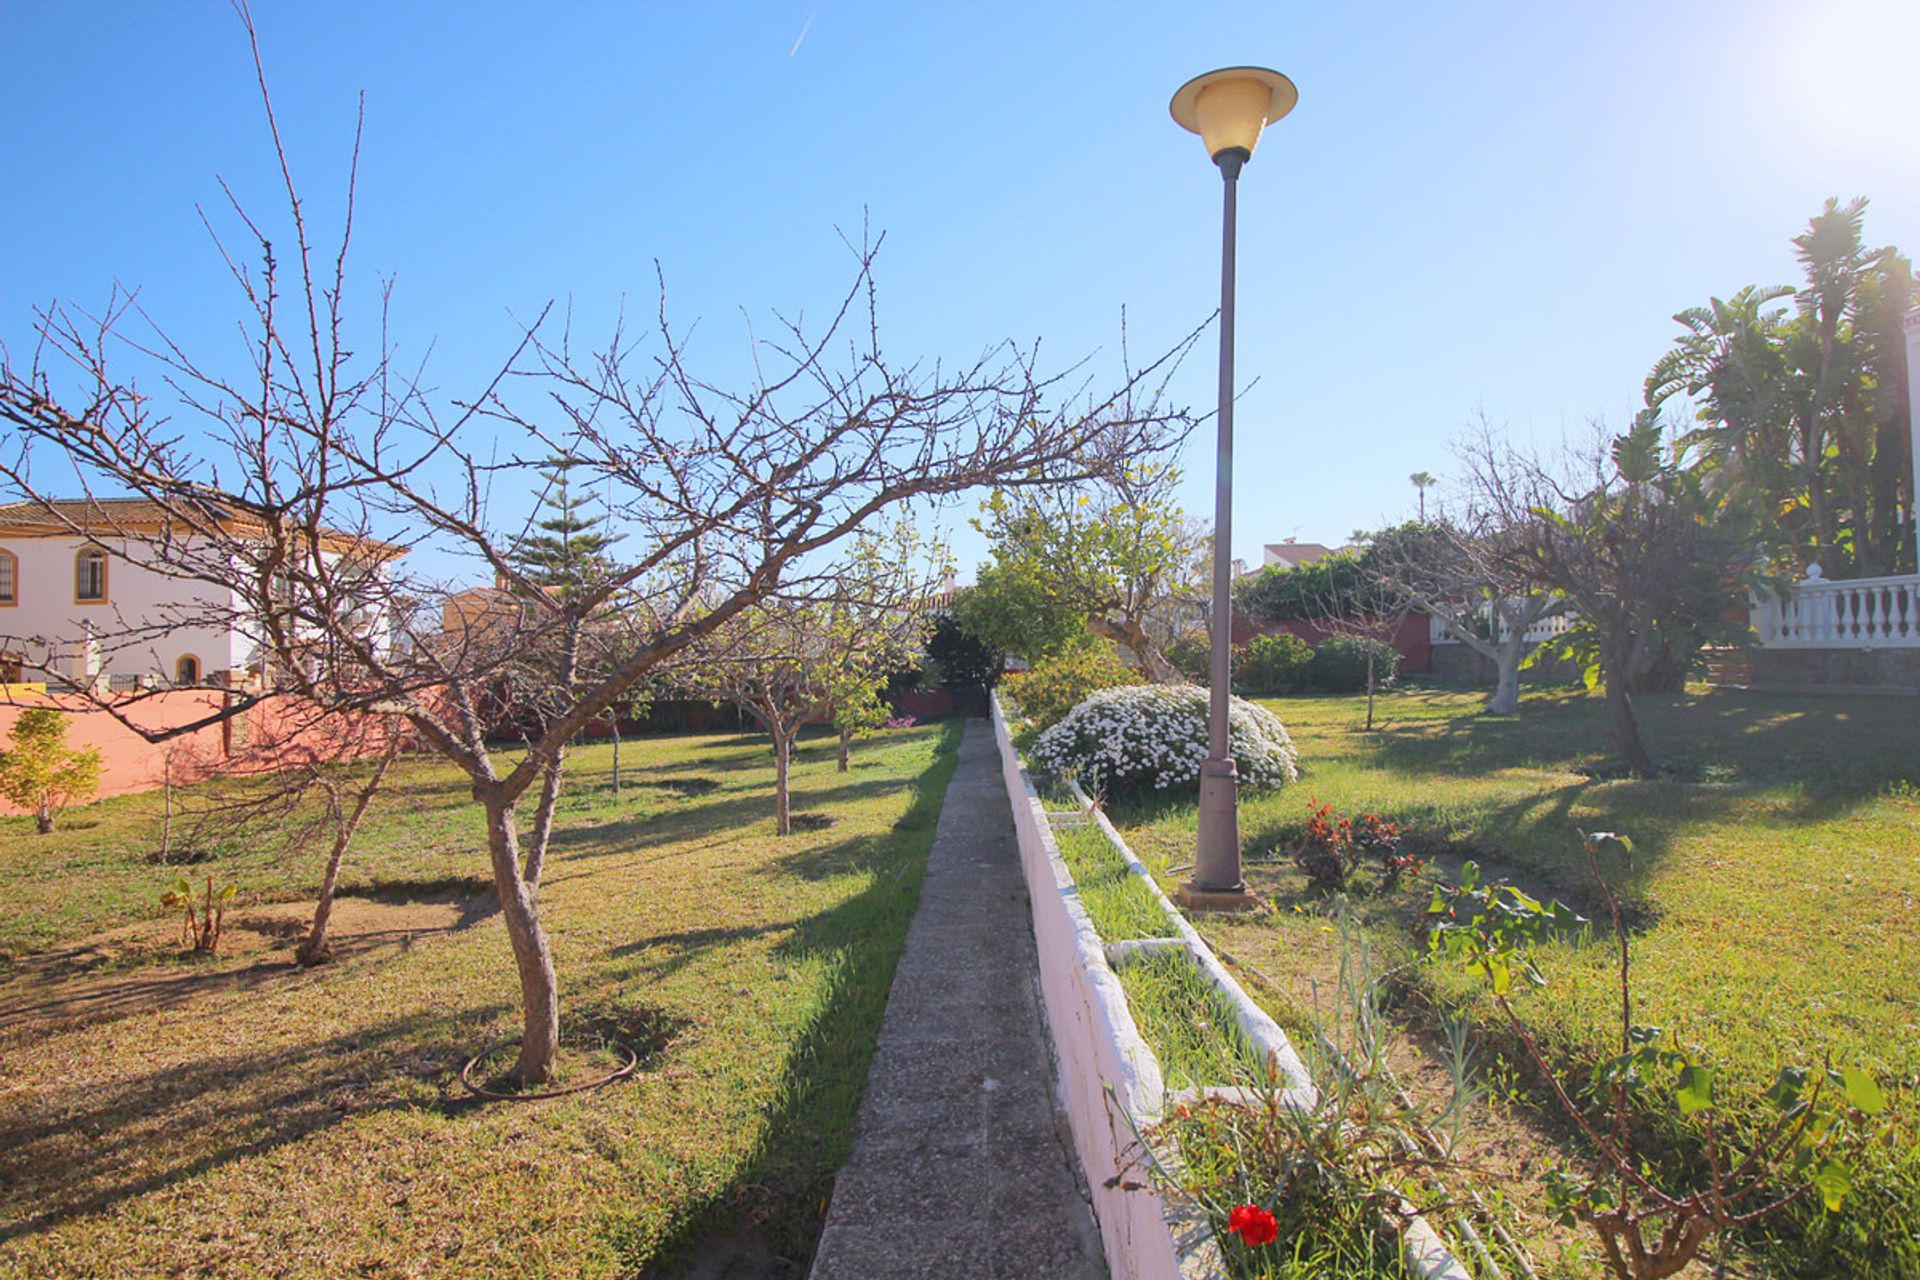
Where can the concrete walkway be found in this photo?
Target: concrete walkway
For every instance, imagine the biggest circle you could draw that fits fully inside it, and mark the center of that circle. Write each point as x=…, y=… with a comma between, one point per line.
x=961, y=1166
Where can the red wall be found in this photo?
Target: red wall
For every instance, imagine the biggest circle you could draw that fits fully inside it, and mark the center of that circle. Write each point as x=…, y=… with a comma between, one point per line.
x=1411, y=638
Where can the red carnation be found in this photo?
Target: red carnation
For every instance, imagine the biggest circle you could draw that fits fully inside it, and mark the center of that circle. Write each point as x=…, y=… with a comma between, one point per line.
x=1254, y=1225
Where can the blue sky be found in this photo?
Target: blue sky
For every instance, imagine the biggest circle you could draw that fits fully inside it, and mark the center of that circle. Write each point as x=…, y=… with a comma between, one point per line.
x=1476, y=206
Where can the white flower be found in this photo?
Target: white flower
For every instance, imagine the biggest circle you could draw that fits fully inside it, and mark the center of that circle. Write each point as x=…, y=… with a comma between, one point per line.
x=1156, y=735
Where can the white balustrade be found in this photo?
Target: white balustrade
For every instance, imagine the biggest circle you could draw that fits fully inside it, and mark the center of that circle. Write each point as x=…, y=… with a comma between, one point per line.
x=1542, y=629
x=1859, y=613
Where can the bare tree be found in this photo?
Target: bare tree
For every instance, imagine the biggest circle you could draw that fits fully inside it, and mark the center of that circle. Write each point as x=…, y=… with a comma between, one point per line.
x=1623, y=530
x=793, y=660
x=300, y=487
x=1463, y=575
x=315, y=782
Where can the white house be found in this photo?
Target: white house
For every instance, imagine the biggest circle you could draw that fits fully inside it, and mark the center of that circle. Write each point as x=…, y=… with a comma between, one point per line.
x=83, y=597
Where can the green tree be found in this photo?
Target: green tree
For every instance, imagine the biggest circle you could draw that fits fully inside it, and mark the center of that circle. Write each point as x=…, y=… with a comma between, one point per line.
x=1115, y=559
x=957, y=651
x=42, y=773
x=1803, y=411
x=1422, y=481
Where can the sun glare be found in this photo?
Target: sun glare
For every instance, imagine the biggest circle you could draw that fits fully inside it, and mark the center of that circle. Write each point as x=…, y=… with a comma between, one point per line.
x=1849, y=72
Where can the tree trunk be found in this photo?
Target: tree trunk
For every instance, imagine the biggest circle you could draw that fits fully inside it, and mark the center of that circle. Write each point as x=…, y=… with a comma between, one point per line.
x=1133, y=637
x=543, y=816
x=520, y=908
x=1625, y=727
x=614, y=721
x=43, y=817
x=1369, y=689
x=166, y=812
x=318, y=947
x=783, y=815
x=846, y=749
x=1506, y=681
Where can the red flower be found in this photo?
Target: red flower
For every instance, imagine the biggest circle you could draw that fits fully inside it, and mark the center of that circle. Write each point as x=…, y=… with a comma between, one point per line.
x=1254, y=1225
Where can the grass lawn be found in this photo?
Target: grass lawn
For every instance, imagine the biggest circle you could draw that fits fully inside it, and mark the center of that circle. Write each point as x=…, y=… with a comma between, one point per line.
x=1774, y=891
x=240, y=1117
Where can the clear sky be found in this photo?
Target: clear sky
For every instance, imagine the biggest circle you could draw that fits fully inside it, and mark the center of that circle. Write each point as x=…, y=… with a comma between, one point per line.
x=1476, y=205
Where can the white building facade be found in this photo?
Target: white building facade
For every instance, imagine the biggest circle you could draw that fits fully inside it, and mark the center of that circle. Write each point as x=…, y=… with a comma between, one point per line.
x=104, y=608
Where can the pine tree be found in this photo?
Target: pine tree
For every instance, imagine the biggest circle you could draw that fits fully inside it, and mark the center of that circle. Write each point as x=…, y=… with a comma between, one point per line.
x=569, y=551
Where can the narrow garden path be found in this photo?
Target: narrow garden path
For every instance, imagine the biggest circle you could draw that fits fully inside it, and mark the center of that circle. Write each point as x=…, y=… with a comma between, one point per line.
x=961, y=1163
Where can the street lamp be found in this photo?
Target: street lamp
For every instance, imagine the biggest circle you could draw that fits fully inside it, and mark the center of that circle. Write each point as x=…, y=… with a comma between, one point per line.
x=1228, y=109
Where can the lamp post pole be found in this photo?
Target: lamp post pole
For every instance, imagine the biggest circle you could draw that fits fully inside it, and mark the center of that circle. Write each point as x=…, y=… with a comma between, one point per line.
x=1216, y=864
x=1228, y=109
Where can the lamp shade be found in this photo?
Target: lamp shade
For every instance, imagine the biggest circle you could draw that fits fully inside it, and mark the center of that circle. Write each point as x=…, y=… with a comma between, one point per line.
x=1228, y=108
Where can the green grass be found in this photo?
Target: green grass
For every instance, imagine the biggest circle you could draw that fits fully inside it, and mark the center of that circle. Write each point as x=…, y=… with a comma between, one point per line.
x=1120, y=903
x=1773, y=889
x=1189, y=1026
x=256, y=1120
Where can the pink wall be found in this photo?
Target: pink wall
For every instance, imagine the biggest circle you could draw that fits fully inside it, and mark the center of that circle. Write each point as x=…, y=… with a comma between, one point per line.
x=264, y=738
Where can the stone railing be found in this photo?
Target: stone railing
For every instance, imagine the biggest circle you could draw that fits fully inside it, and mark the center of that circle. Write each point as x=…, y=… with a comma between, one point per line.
x=1858, y=613
x=1544, y=629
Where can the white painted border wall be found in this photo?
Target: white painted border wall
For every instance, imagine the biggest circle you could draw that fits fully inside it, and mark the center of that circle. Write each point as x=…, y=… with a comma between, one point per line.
x=1110, y=1079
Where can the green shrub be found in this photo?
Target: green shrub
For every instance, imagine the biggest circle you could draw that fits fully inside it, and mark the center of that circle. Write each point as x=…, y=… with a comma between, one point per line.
x=1057, y=685
x=1340, y=664
x=1273, y=664
x=1192, y=655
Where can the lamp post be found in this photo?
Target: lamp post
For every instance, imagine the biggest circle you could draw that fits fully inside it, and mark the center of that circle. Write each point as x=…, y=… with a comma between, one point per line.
x=1228, y=109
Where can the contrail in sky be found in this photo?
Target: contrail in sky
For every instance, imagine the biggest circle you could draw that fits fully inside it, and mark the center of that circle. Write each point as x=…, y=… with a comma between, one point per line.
x=805, y=27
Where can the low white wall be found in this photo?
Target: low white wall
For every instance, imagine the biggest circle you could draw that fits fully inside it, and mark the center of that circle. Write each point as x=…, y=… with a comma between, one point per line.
x=1110, y=1079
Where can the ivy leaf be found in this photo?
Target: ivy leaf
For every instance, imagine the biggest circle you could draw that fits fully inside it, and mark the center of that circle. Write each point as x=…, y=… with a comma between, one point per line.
x=1788, y=1088
x=1694, y=1093
x=1863, y=1094
x=1833, y=1182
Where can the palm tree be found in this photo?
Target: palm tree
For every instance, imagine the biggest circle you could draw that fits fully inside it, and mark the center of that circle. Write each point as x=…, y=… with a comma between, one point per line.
x=1423, y=481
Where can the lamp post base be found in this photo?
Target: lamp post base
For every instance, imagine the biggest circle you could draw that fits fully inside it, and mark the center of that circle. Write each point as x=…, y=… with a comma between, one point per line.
x=1195, y=898
x=1216, y=884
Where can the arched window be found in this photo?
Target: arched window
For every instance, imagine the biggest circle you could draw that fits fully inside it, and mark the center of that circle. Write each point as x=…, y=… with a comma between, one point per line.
x=186, y=670
x=9, y=578
x=90, y=576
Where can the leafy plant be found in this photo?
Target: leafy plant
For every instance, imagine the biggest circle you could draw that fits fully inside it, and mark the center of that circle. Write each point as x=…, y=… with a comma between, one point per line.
x=1191, y=654
x=1645, y=1230
x=1056, y=685
x=1340, y=664
x=1335, y=846
x=42, y=773
x=1328, y=1174
x=1328, y=855
x=1276, y=663
x=200, y=921
x=1382, y=842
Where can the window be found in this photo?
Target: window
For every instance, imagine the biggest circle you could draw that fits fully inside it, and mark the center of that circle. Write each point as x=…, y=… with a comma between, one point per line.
x=9, y=578
x=90, y=576
x=186, y=670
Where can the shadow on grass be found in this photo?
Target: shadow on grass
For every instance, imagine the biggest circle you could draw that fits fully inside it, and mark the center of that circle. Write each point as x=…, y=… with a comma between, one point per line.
x=84, y=1148
x=780, y=1190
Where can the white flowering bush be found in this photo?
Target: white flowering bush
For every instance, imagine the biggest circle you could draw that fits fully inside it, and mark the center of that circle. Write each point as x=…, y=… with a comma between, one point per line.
x=1156, y=736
